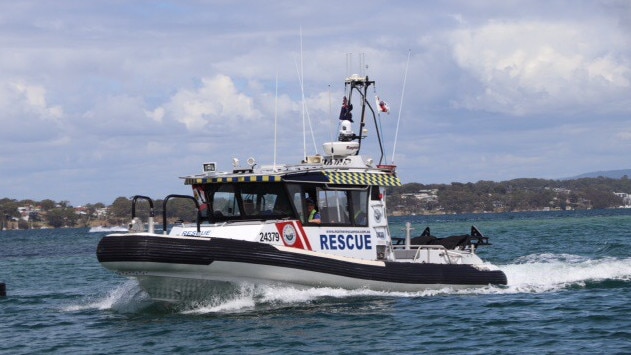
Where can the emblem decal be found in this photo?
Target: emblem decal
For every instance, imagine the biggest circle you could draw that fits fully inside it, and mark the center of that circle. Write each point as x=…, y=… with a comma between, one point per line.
x=289, y=234
x=378, y=214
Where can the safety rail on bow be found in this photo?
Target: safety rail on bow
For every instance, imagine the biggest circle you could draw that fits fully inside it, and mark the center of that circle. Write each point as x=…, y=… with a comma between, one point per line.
x=136, y=224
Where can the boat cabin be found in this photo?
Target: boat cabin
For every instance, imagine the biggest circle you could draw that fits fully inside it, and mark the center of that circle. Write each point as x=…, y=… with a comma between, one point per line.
x=339, y=198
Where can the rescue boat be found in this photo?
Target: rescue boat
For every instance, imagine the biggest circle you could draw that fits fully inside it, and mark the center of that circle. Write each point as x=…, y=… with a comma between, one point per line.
x=319, y=223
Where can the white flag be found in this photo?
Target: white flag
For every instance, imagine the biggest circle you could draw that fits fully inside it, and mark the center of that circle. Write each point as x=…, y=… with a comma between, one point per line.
x=382, y=106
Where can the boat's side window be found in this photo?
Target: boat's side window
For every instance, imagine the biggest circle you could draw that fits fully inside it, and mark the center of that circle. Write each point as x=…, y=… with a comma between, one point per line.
x=333, y=206
x=375, y=193
x=359, y=206
x=225, y=202
x=296, y=198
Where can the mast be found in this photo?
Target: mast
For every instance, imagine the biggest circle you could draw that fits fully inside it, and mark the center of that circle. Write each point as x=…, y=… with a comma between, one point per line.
x=360, y=85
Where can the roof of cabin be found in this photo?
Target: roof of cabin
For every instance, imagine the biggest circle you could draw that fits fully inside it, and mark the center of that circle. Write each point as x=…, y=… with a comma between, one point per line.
x=372, y=177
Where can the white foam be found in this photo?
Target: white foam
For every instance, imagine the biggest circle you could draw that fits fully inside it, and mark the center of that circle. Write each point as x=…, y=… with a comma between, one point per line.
x=126, y=297
x=552, y=272
x=240, y=301
x=240, y=304
x=251, y=296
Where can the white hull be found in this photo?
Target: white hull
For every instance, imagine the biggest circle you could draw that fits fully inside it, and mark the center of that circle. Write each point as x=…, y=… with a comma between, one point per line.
x=175, y=269
x=176, y=283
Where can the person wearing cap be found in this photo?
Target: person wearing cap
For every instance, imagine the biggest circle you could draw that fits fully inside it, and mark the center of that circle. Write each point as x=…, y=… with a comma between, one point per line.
x=314, y=215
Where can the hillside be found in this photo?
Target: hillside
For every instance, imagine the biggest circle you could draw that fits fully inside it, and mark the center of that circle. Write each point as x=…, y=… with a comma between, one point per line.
x=612, y=174
x=511, y=196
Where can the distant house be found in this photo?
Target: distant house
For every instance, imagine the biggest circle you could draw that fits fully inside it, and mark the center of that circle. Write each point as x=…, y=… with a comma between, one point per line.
x=422, y=195
x=81, y=210
x=626, y=199
x=561, y=190
x=101, y=212
x=28, y=213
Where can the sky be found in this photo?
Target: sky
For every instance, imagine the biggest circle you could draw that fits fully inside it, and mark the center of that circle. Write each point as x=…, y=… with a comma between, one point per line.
x=102, y=99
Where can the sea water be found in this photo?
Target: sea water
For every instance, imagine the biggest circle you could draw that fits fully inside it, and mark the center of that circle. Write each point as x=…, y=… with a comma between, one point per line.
x=569, y=291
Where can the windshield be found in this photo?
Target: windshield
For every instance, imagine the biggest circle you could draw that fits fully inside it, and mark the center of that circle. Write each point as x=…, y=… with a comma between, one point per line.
x=248, y=201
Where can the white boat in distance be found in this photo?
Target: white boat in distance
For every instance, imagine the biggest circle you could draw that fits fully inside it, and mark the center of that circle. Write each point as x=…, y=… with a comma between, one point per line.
x=105, y=229
x=319, y=223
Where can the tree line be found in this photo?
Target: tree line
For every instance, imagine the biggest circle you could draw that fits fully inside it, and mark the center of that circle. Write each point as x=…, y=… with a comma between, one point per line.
x=483, y=196
x=523, y=194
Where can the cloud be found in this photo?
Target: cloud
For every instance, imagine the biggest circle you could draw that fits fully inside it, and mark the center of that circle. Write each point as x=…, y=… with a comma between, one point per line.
x=157, y=114
x=33, y=97
x=624, y=136
x=530, y=67
x=118, y=114
x=26, y=114
x=215, y=103
x=20, y=97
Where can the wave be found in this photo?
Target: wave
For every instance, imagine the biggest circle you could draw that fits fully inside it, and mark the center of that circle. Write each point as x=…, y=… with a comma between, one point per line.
x=554, y=272
x=126, y=298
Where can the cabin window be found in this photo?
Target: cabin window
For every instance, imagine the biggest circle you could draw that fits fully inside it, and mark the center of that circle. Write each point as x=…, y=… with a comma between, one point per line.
x=375, y=193
x=266, y=199
x=333, y=206
x=296, y=196
x=225, y=202
x=337, y=205
x=243, y=201
x=299, y=194
x=359, y=206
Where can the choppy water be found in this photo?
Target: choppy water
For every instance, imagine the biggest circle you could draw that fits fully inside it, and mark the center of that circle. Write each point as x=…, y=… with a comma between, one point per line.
x=569, y=277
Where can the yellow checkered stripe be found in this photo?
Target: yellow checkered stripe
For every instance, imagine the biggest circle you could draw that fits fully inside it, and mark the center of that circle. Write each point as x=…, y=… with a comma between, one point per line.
x=221, y=180
x=351, y=178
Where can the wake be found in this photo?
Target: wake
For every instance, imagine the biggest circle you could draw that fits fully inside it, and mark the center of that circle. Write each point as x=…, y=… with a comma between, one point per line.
x=126, y=298
x=555, y=272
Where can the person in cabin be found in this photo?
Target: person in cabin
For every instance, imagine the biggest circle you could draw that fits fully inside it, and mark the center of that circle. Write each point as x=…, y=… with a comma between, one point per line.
x=360, y=218
x=359, y=205
x=314, y=215
x=248, y=207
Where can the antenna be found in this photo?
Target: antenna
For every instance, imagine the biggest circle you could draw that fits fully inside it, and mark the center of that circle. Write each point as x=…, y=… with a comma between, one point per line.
x=405, y=76
x=349, y=63
x=315, y=147
x=330, y=116
x=302, y=90
x=362, y=64
x=305, y=117
x=305, y=112
x=275, y=118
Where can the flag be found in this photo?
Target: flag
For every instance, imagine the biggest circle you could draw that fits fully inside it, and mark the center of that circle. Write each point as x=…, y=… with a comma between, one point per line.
x=382, y=106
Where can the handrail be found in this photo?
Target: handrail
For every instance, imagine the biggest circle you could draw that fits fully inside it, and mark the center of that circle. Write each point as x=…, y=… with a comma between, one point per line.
x=133, y=205
x=455, y=254
x=164, y=210
x=429, y=247
x=151, y=212
x=448, y=252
